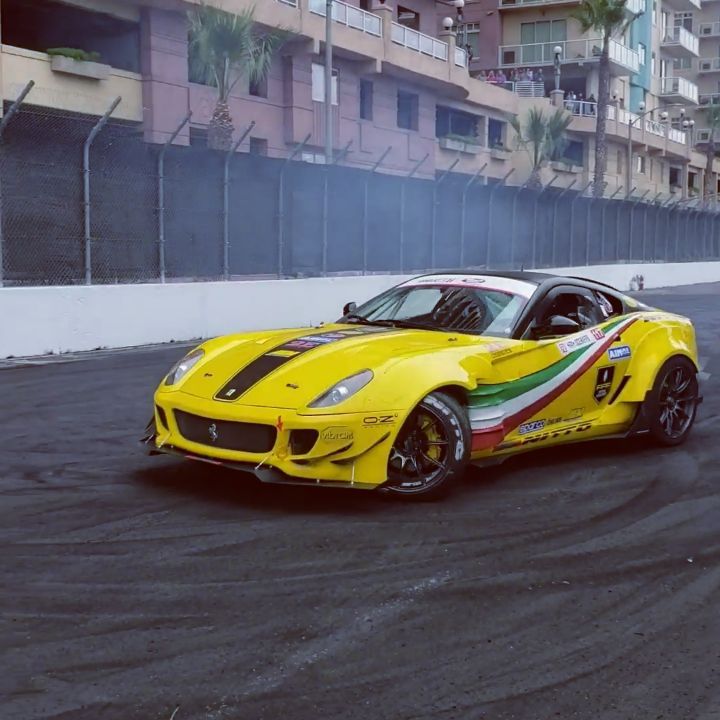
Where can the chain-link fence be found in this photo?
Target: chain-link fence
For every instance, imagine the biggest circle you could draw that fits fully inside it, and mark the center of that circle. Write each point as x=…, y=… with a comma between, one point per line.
x=87, y=201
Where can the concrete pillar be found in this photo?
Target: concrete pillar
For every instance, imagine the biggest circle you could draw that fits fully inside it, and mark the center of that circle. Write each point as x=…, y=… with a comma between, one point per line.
x=386, y=15
x=448, y=36
x=164, y=64
x=592, y=84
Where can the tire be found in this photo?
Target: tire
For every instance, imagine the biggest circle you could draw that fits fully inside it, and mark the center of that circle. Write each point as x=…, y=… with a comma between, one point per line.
x=431, y=451
x=672, y=404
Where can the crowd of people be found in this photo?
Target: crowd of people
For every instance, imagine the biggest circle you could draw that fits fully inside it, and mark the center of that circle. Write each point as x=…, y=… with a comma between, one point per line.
x=523, y=75
x=578, y=105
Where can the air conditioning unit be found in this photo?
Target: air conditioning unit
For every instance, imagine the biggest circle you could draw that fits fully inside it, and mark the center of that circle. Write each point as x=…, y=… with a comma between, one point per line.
x=706, y=30
x=705, y=65
x=702, y=136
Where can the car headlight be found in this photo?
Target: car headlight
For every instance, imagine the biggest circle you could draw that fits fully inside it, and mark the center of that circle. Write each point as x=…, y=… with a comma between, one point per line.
x=183, y=367
x=343, y=390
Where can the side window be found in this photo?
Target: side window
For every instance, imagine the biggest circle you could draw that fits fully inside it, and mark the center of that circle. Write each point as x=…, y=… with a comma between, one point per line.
x=609, y=306
x=581, y=307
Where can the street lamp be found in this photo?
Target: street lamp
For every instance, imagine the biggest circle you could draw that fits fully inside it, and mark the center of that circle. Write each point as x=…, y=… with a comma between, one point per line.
x=458, y=5
x=631, y=122
x=557, y=52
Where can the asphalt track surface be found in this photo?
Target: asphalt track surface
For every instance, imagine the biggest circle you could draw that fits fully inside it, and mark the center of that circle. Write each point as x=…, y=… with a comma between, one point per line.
x=576, y=583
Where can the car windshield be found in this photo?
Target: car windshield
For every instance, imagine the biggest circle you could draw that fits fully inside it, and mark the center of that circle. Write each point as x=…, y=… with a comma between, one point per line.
x=462, y=307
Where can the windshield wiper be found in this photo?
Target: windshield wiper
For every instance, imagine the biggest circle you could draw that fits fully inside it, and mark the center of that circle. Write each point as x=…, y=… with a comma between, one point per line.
x=409, y=324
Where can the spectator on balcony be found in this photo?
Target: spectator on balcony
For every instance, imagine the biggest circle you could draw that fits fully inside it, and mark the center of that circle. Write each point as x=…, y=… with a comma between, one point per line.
x=580, y=105
x=491, y=77
x=513, y=76
x=592, y=104
x=501, y=77
x=530, y=75
x=522, y=75
x=482, y=76
x=539, y=76
x=468, y=50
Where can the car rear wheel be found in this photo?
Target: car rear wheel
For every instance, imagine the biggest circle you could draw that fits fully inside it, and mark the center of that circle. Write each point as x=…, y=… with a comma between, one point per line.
x=431, y=450
x=673, y=401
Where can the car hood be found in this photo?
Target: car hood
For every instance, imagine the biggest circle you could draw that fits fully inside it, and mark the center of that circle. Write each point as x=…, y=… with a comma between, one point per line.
x=291, y=368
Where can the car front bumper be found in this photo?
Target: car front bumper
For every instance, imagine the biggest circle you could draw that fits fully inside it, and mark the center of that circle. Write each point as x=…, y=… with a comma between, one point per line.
x=344, y=450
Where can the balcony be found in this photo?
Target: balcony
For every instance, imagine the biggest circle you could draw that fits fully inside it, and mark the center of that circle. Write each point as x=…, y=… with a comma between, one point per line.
x=679, y=42
x=69, y=92
x=709, y=30
x=709, y=99
x=419, y=42
x=708, y=65
x=623, y=60
x=461, y=57
x=683, y=5
x=349, y=15
x=678, y=89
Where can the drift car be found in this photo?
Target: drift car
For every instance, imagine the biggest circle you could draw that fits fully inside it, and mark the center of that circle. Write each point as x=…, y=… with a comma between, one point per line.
x=440, y=371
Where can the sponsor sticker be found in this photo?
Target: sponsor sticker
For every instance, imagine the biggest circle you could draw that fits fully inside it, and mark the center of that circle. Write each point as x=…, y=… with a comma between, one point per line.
x=531, y=427
x=603, y=383
x=581, y=341
x=379, y=419
x=619, y=353
x=335, y=434
x=597, y=333
x=547, y=435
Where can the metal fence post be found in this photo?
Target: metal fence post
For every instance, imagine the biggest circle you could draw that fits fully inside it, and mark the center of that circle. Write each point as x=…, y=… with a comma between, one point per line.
x=402, y=209
x=498, y=184
x=161, y=195
x=602, y=222
x=281, y=202
x=617, y=225
x=554, y=223
x=644, y=240
x=226, y=200
x=463, y=208
x=667, y=232
x=366, y=191
x=3, y=124
x=632, y=223
x=86, y=186
x=334, y=160
x=433, y=237
x=572, y=221
x=535, y=213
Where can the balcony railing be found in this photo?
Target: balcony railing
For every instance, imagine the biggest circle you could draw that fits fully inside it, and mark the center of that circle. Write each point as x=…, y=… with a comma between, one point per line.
x=419, y=42
x=580, y=108
x=461, y=57
x=682, y=37
x=707, y=65
x=523, y=3
x=294, y=3
x=709, y=99
x=572, y=51
x=709, y=29
x=680, y=87
x=351, y=16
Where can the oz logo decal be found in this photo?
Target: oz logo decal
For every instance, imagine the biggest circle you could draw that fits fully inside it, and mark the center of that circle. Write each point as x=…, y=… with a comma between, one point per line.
x=603, y=383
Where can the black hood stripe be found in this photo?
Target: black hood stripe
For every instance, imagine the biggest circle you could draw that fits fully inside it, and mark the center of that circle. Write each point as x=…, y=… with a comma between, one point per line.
x=267, y=363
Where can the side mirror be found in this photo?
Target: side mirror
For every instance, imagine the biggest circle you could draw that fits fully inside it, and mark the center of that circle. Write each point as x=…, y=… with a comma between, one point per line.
x=349, y=307
x=556, y=326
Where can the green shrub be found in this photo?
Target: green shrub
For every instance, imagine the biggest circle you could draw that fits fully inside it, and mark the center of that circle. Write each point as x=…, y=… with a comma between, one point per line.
x=75, y=54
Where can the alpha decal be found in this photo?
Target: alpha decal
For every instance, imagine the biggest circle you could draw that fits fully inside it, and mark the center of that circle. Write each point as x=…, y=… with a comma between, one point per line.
x=619, y=353
x=603, y=383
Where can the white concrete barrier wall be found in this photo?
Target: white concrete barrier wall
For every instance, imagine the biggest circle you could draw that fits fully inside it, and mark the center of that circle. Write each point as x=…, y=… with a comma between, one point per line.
x=37, y=321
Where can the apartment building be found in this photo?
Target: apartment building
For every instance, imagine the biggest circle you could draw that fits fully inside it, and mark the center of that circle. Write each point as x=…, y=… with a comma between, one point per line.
x=406, y=90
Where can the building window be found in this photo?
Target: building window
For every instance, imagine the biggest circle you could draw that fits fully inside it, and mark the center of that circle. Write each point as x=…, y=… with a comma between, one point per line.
x=408, y=17
x=407, y=110
x=652, y=64
x=318, y=84
x=258, y=146
x=619, y=162
x=198, y=137
x=496, y=133
x=575, y=152
x=42, y=24
x=674, y=177
x=366, y=99
x=684, y=63
x=540, y=35
x=640, y=164
x=468, y=36
x=455, y=122
x=654, y=14
x=365, y=5
x=641, y=52
x=684, y=19
x=259, y=88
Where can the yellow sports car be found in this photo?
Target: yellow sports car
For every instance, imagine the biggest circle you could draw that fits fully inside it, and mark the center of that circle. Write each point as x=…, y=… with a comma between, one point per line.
x=402, y=392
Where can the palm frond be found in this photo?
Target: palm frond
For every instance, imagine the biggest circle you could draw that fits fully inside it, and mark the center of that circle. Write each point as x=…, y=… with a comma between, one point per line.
x=604, y=16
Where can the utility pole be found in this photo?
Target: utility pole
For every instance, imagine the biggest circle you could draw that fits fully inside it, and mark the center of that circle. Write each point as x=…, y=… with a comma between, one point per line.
x=328, y=82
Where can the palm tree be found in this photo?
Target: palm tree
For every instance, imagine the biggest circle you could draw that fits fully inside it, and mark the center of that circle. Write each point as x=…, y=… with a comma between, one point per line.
x=609, y=19
x=713, y=118
x=543, y=138
x=225, y=47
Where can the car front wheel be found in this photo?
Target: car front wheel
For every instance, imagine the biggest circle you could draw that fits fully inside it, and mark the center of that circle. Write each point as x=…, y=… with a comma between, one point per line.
x=431, y=450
